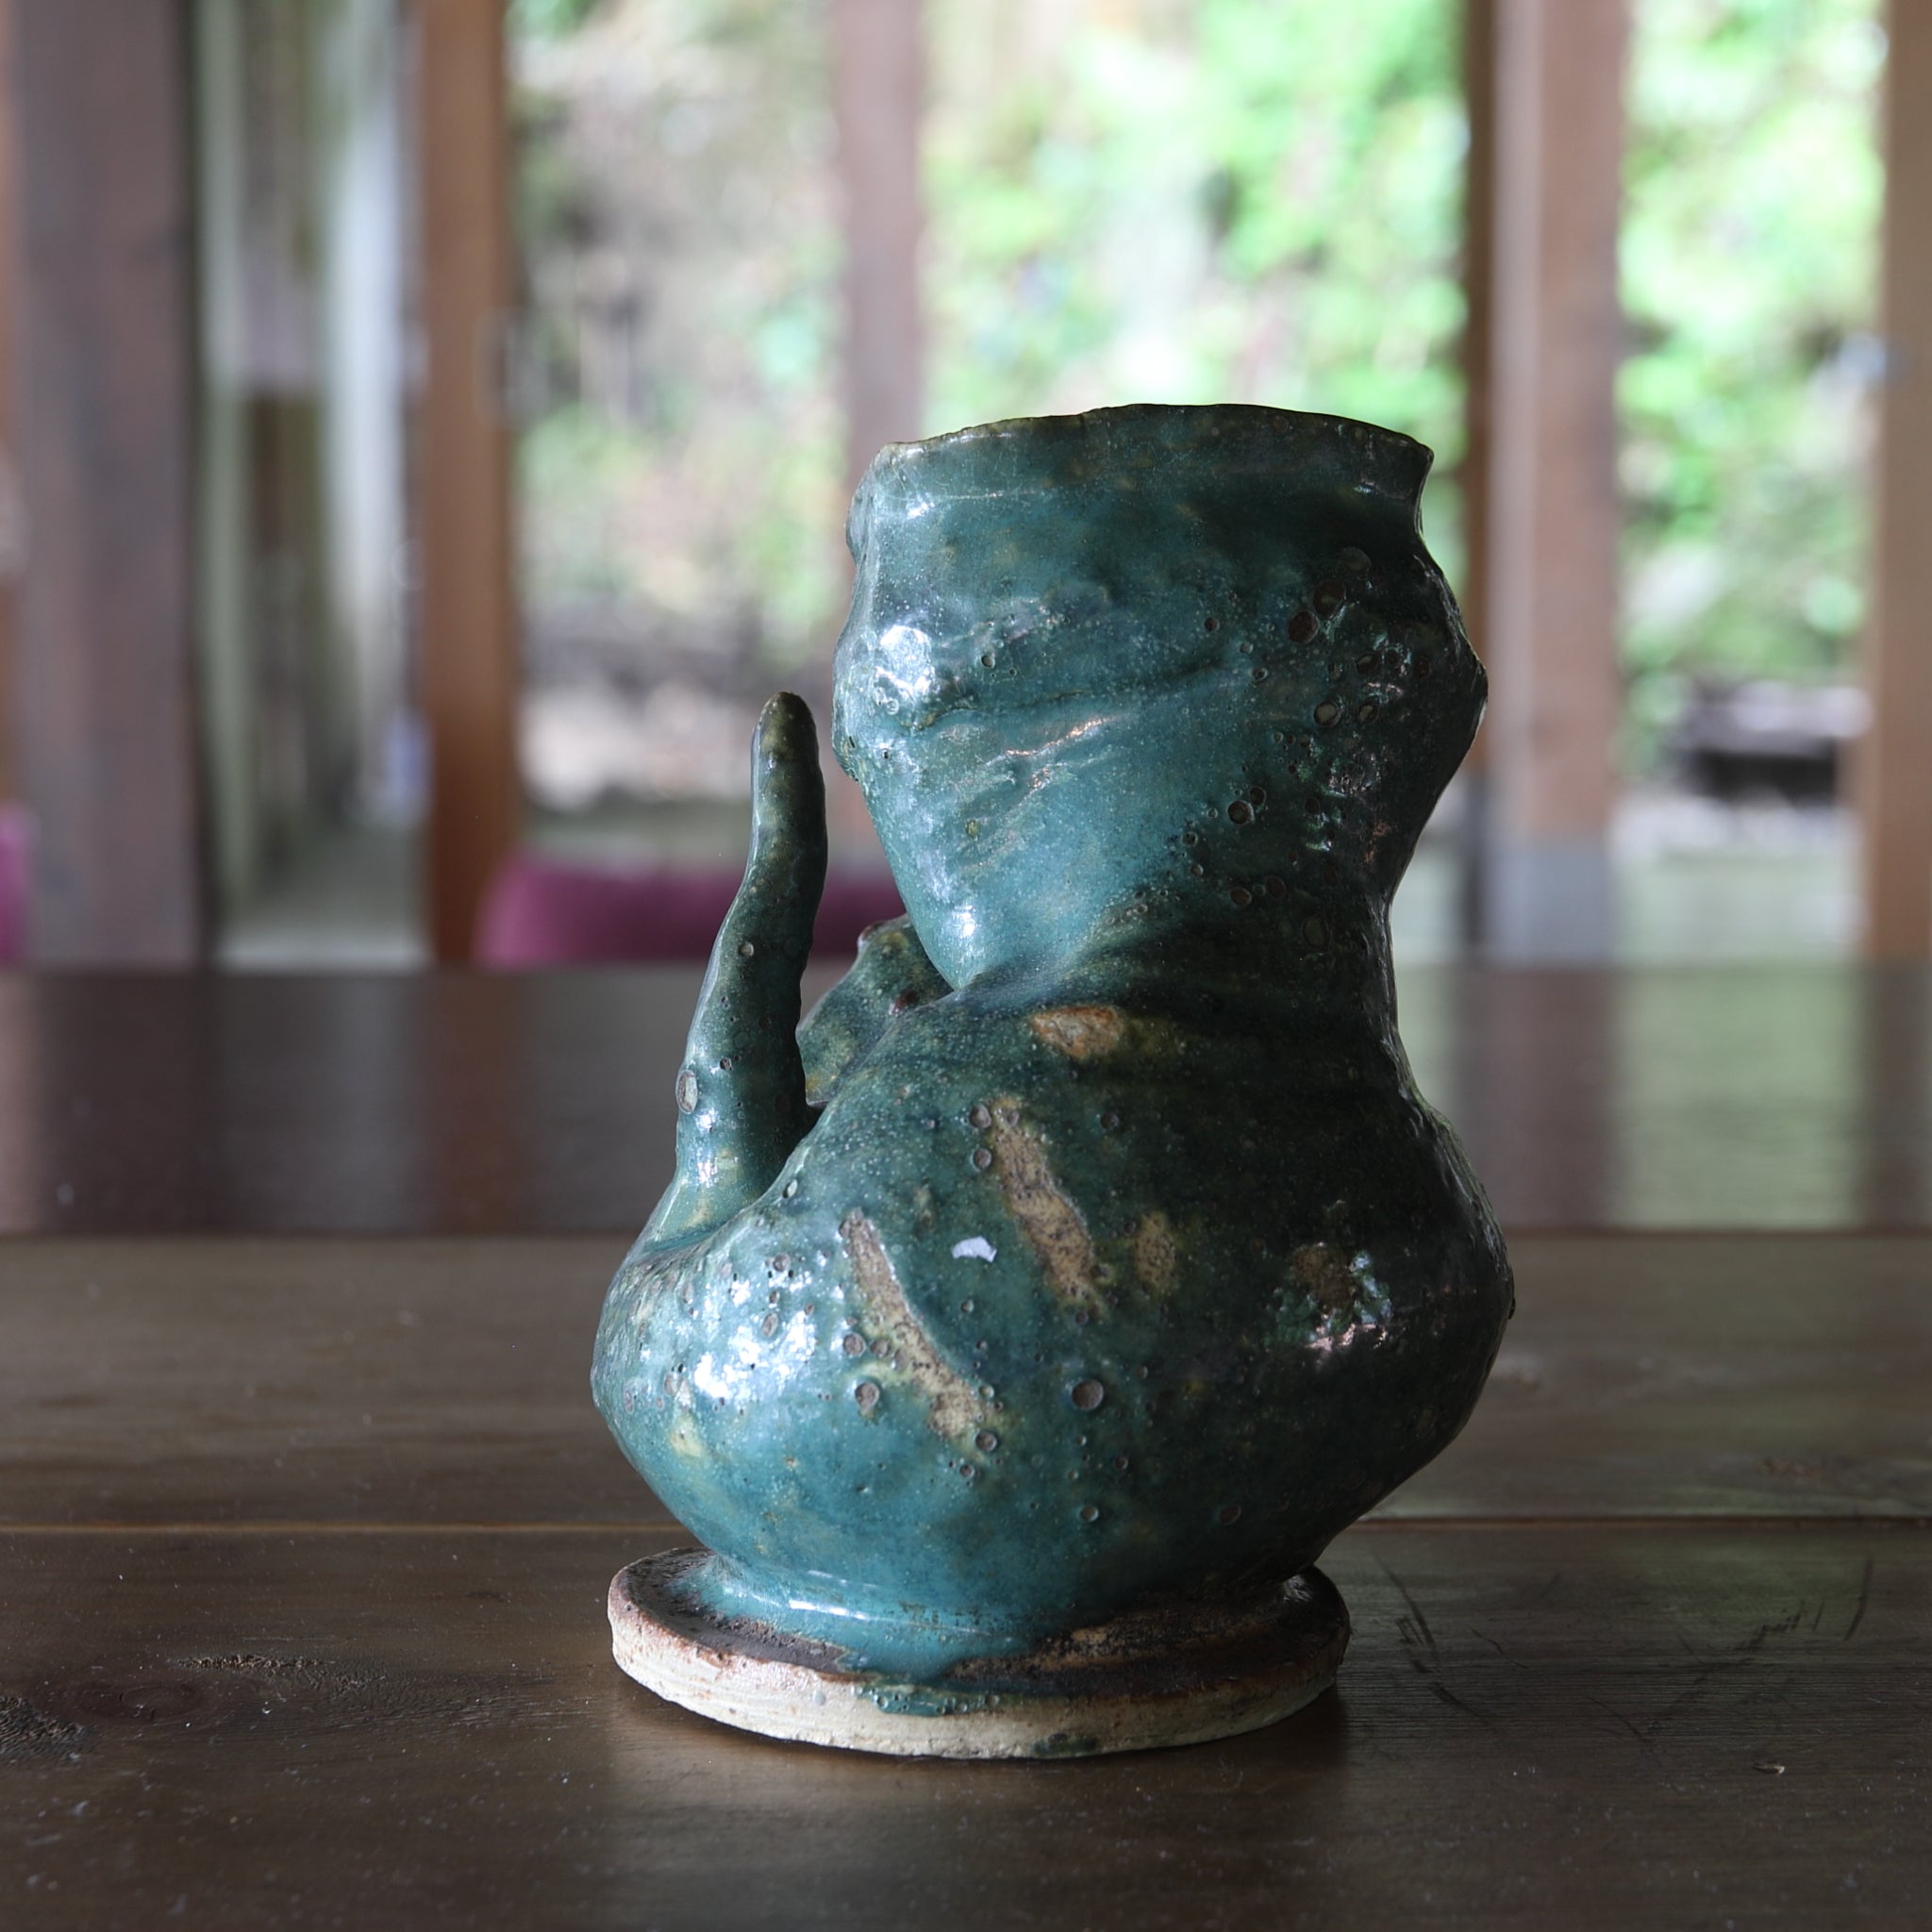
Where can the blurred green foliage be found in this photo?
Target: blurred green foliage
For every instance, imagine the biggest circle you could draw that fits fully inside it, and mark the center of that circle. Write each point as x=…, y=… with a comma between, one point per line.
x=680, y=468
x=1217, y=201
x=548, y=20
x=1181, y=200
x=1750, y=244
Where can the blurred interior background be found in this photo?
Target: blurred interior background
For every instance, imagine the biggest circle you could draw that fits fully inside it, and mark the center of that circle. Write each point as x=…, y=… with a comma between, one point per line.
x=429, y=425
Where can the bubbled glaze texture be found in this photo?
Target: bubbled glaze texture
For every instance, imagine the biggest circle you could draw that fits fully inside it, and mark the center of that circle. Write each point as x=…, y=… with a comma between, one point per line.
x=1123, y=1262
x=1161, y=645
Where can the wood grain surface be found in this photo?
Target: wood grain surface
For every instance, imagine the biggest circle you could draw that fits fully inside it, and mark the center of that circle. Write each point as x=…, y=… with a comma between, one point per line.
x=1792, y=1098
x=306, y=1519
x=351, y=1381
x=1535, y=1725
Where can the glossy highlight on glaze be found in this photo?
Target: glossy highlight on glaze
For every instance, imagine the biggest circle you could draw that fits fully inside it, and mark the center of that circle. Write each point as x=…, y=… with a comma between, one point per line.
x=1089, y=1248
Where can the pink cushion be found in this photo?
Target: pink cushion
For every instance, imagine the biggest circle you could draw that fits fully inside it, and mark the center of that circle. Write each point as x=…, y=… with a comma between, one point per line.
x=13, y=884
x=540, y=912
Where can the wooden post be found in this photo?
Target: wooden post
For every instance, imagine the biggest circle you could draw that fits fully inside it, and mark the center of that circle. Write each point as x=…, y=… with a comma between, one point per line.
x=9, y=488
x=1895, y=760
x=1896, y=1074
x=104, y=388
x=878, y=103
x=468, y=637
x=878, y=65
x=1477, y=347
x=1550, y=523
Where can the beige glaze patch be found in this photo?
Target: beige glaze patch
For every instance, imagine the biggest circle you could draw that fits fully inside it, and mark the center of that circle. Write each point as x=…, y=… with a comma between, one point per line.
x=889, y=1318
x=1040, y=1207
x=1082, y=1033
x=1156, y=1259
x=923, y=1212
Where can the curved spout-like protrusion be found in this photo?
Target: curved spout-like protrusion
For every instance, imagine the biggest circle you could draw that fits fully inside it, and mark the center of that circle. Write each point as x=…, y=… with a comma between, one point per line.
x=740, y=1087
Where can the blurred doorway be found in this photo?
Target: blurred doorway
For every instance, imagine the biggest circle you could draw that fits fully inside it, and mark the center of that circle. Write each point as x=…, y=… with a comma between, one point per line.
x=311, y=751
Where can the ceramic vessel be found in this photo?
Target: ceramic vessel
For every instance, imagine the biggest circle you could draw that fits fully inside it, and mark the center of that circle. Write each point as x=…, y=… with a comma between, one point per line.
x=1016, y=1334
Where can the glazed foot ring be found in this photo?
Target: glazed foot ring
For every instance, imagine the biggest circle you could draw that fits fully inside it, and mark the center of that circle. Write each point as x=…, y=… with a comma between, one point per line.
x=1139, y=1682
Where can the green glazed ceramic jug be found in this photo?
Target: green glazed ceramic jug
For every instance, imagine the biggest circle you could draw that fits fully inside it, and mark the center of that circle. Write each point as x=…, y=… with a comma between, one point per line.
x=1016, y=1333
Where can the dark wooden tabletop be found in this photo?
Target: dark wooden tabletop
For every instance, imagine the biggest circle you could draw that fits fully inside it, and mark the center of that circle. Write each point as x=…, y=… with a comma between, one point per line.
x=306, y=1519
x=494, y=1104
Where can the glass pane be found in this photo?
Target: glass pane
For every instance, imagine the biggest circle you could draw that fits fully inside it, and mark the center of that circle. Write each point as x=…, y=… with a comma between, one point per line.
x=312, y=761
x=681, y=470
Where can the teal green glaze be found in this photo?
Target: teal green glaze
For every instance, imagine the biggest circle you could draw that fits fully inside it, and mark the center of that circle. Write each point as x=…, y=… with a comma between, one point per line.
x=1091, y=1246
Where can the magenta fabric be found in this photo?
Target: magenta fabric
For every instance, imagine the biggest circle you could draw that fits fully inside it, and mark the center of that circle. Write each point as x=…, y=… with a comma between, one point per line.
x=540, y=912
x=13, y=884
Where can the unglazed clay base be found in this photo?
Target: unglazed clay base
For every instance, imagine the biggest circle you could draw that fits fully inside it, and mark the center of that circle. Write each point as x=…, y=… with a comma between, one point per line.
x=1139, y=1682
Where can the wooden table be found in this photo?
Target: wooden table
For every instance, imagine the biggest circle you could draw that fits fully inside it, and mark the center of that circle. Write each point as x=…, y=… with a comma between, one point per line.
x=308, y=1519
